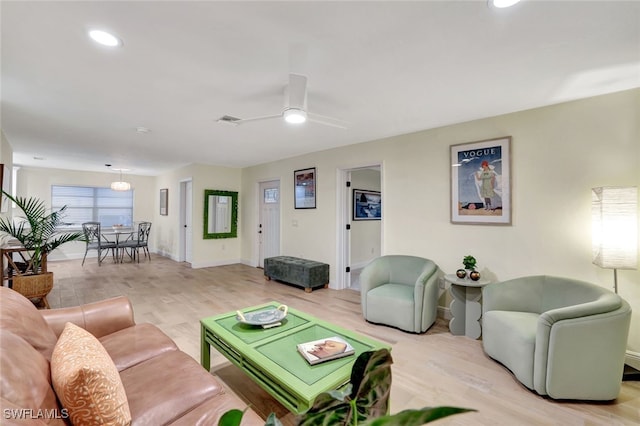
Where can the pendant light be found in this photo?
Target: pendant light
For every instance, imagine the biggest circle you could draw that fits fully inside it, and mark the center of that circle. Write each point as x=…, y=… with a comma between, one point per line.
x=120, y=185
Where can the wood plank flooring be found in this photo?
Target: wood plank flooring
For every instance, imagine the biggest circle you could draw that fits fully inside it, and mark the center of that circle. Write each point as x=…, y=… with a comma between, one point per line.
x=431, y=369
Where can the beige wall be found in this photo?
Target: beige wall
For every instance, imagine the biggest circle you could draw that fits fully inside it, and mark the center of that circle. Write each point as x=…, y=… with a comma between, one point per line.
x=558, y=154
x=210, y=252
x=165, y=231
x=37, y=182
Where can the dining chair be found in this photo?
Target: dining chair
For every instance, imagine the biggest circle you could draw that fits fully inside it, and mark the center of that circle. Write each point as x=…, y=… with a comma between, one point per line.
x=139, y=240
x=94, y=241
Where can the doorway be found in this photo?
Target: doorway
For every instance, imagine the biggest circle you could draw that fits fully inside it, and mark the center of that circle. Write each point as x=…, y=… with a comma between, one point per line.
x=185, y=252
x=268, y=220
x=360, y=241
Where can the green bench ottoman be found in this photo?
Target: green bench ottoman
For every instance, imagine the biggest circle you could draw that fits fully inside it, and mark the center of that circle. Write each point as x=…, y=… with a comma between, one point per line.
x=304, y=273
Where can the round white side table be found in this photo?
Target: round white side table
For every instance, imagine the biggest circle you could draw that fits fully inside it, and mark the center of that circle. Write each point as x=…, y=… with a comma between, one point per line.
x=465, y=307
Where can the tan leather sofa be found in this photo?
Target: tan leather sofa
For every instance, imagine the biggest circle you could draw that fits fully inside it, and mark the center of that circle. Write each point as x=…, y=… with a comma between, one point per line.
x=163, y=385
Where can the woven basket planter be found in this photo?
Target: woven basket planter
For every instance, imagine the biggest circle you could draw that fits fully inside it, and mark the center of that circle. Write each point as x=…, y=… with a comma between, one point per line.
x=34, y=286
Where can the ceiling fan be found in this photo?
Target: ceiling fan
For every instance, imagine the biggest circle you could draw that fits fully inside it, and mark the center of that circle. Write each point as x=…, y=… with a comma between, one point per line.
x=295, y=108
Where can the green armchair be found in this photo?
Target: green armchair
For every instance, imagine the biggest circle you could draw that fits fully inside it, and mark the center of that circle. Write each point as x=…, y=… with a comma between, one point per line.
x=400, y=291
x=560, y=337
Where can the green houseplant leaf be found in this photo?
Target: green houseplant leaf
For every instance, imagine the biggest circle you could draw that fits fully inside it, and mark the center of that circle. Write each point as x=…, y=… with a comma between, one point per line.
x=364, y=401
x=37, y=230
x=469, y=262
x=232, y=417
x=367, y=395
x=416, y=417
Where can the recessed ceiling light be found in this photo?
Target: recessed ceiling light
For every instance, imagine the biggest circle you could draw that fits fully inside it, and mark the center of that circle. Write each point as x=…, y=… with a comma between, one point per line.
x=142, y=129
x=105, y=38
x=503, y=3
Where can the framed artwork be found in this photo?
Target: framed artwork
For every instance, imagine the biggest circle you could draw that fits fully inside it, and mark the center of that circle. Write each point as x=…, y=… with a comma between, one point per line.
x=481, y=182
x=305, y=188
x=367, y=205
x=164, y=202
x=5, y=184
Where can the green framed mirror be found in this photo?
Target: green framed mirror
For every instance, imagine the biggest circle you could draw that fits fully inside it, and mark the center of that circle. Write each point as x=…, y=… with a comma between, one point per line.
x=220, y=214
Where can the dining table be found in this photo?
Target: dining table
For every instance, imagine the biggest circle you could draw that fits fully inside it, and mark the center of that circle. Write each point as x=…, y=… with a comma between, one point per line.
x=118, y=235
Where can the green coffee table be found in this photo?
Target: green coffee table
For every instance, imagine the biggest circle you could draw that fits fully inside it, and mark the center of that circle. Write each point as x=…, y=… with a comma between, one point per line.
x=269, y=356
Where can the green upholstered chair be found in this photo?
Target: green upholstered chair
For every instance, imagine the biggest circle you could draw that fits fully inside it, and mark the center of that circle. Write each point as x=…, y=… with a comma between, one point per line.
x=560, y=337
x=400, y=291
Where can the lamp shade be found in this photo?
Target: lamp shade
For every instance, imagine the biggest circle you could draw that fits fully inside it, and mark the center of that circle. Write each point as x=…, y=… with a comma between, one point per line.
x=614, y=213
x=120, y=186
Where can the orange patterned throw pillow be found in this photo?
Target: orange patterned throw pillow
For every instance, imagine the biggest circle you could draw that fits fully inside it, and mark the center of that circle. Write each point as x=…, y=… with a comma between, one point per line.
x=86, y=380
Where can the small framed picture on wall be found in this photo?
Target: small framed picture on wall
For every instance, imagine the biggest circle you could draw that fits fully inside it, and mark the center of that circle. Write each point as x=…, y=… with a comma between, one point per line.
x=164, y=202
x=305, y=188
x=367, y=205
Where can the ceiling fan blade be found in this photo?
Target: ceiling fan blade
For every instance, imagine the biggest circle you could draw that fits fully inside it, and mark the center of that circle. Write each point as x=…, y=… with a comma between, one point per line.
x=327, y=121
x=235, y=121
x=296, y=92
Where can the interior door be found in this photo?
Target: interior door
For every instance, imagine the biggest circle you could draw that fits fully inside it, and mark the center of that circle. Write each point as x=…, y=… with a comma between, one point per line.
x=269, y=221
x=186, y=221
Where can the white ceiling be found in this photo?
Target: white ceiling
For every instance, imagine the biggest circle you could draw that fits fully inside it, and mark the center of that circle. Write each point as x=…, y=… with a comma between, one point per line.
x=387, y=68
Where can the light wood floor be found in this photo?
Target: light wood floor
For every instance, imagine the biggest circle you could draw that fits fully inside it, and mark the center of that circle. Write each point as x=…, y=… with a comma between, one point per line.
x=432, y=369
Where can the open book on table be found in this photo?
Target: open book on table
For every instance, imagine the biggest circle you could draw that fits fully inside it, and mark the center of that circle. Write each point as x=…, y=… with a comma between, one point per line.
x=326, y=349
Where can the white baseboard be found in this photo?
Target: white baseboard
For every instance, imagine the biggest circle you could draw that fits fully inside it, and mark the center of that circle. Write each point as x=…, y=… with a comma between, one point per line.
x=360, y=265
x=632, y=359
x=207, y=264
x=444, y=313
x=248, y=262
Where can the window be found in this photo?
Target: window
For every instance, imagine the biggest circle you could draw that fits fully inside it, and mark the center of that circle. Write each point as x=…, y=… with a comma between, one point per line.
x=90, y=204
x=270, y=195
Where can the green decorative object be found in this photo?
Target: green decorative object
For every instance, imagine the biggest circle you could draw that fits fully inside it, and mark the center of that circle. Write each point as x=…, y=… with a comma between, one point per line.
x=220, y=214
x=469, y=262
x=270, y=358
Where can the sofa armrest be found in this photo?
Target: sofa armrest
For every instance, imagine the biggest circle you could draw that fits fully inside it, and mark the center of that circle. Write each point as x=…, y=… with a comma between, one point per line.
x=427, y=273
x=605, y=303
x=99, y=318
x=579, y=338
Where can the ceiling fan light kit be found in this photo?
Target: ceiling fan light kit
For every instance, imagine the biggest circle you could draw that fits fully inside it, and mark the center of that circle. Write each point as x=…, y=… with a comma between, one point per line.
x=294, y=116
x=105, y=38
x=501, y=4
x=295, y=108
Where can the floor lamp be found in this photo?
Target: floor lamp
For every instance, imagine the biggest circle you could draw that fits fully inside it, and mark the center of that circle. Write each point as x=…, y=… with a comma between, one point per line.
x=614, y=212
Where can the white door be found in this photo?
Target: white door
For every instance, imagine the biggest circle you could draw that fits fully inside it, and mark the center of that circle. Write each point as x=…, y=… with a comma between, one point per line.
x=186, y=220
x=269, y=221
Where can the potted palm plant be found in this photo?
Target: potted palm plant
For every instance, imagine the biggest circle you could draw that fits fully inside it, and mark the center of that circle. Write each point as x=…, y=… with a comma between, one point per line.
x=38, y=233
